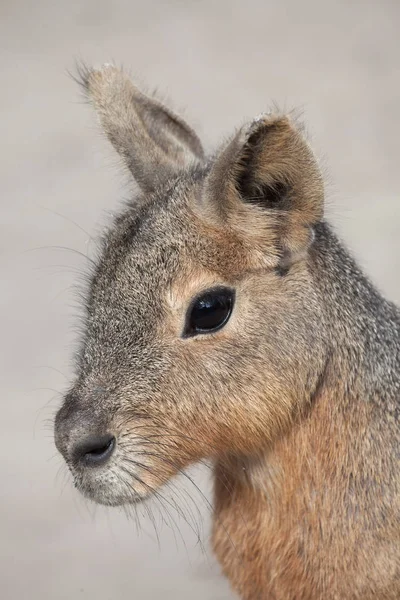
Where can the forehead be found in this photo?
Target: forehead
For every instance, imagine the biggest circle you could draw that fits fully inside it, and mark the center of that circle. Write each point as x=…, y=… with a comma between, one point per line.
x=145, y=244
x=157, y=256
x=153, y=242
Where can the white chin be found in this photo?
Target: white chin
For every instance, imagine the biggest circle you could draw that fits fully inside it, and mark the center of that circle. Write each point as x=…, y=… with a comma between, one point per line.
x=108, y=494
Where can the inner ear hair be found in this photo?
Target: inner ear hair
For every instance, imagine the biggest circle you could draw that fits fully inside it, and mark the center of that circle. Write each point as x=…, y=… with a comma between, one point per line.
x=250, y=183
x=275, y=196
x=276, y=171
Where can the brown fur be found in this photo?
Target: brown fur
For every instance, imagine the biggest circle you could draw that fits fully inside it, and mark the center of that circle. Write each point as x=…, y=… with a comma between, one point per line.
x=298, y=527
x=296, y=398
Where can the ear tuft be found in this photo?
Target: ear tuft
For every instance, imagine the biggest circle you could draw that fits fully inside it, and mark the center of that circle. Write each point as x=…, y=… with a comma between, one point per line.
x=105, y=81
x=81, y=75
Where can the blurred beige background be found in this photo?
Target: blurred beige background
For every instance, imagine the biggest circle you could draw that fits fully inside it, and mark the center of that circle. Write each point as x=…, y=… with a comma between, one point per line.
x=225, y=61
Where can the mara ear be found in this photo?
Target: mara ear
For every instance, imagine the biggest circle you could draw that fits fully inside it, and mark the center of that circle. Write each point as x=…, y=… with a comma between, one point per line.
x=266, y=182
x=154, y=143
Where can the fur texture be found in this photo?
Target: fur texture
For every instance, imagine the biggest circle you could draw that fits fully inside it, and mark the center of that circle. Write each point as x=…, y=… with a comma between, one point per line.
x=296, y=399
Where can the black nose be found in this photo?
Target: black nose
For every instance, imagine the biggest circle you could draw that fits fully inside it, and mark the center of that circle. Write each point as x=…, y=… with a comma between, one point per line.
x=94, y=451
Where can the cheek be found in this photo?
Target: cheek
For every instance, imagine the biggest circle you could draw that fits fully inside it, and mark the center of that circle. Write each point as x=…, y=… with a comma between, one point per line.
x=231, y=394
x=231, y=390
x=204, y=402
x=156, y=450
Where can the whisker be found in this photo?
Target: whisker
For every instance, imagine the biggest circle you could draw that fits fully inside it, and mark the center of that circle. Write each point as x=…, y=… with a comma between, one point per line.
x=54, y=212
x=51, y=368
x=158, y=495
x=205, y=499
x=73, y=250
x=145, y=506
x=145, y=440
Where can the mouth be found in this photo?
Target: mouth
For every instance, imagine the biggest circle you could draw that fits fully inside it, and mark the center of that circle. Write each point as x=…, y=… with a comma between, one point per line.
x=117, y=469
x=123, y=480
x=110, y=488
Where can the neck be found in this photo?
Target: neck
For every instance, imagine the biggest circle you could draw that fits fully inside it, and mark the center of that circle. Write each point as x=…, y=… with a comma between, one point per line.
x=362, y=328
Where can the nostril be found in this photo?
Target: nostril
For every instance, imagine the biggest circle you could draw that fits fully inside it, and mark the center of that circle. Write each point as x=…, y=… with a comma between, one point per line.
x=95, y=450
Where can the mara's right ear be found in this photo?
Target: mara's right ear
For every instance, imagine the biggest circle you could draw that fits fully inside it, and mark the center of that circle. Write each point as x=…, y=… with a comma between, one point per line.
x=266, y=185
x=154, y=142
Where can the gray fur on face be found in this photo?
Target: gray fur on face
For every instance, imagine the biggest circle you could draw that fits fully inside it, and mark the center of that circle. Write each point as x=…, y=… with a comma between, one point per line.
x=307, y=325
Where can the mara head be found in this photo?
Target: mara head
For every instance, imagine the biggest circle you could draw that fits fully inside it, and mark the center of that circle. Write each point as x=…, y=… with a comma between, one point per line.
x=202, y=323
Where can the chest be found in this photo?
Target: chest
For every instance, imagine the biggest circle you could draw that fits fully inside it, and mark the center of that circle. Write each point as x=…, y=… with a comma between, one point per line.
x=310, y=524
x=264, y=544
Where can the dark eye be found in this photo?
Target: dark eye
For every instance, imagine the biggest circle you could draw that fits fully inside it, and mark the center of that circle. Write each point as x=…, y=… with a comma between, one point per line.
x=209, y=311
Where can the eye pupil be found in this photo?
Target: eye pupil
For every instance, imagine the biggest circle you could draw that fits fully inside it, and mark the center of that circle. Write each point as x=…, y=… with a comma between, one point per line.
x=209, y=312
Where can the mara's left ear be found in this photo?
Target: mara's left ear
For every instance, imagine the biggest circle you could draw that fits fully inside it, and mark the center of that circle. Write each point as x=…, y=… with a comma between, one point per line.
x=154, y=142
x=266, y=184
